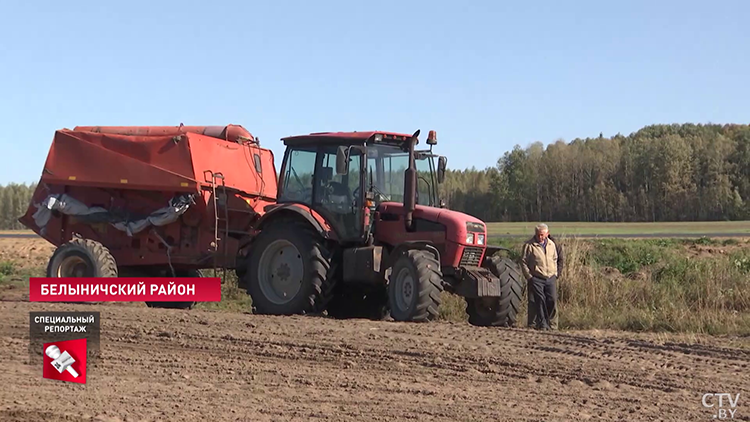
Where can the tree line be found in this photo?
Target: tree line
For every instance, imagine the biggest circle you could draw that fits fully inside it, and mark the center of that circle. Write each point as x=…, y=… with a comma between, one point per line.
x=14, y=201
x=687, y=172
x=681, y=172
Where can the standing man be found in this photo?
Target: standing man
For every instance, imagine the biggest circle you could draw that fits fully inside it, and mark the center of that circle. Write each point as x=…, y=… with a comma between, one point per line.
x=554, y=317
x=539, y=265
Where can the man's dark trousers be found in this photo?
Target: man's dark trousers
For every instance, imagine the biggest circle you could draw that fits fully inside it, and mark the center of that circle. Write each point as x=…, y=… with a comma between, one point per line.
x=545, y=299
x=531, y=309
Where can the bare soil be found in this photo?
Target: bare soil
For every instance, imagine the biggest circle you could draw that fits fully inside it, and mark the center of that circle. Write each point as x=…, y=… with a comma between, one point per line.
x=26, y=253
x=203, y=365
x=194, y=365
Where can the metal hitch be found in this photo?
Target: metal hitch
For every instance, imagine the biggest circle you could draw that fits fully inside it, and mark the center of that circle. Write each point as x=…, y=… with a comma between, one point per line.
x=477, y=282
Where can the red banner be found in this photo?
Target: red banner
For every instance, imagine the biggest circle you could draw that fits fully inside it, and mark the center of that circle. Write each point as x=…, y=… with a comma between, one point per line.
x=126, y=289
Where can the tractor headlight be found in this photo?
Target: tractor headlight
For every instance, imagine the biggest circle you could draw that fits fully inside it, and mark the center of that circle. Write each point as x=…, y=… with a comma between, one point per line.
x=475, y=231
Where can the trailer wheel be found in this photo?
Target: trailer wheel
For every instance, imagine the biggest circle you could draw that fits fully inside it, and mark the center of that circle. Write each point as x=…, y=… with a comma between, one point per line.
x=414, y=288
x=498, y=311
x=176, y=305
x=289, y=270
x=82, y=258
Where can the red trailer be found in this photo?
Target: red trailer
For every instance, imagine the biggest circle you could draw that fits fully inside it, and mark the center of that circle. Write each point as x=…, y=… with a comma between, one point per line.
x=150, y=199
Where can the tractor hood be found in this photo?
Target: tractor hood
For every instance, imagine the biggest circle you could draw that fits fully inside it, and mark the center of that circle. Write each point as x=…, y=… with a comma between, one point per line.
x=456, y=223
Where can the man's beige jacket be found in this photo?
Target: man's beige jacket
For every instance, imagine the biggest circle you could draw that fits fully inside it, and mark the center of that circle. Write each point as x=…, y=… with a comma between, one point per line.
x=538, y=263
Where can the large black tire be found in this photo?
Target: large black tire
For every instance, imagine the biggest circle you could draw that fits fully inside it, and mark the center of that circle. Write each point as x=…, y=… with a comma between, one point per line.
x=498, y=311
x=174, y=305
x=414, y=287
x=82, y=258
x=305, y=270
x=353, y=301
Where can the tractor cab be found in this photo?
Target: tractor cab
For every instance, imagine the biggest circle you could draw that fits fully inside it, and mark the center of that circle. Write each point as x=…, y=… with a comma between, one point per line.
x=345, y=176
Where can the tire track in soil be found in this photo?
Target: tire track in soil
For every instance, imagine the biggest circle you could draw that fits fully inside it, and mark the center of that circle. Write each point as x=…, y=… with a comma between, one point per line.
x=165, y=365
x=281, y=350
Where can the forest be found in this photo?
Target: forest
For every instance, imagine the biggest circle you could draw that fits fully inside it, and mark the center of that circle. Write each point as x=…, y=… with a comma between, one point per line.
x=687, y=172
x=679, y=172
x=14, y=200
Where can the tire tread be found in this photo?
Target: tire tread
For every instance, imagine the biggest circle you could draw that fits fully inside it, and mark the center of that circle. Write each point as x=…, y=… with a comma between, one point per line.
x=429, y=284
x=103, y=259
x=320, y=268
x=511, y=292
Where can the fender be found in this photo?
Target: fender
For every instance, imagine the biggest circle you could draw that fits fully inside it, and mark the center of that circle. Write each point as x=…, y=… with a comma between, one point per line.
x=296, y=210
x=280, y=211
x=405, y=246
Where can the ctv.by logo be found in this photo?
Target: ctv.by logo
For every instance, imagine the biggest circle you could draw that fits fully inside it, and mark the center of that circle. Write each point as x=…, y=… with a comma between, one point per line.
x=721, y=411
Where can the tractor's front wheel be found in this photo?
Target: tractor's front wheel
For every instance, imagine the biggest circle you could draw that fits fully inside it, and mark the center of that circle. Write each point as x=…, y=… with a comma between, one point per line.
x=414, y=288
x=288, y=270
x=498, y=311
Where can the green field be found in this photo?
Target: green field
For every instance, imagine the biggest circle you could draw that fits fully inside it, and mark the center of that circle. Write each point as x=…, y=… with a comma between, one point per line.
x=691, y=229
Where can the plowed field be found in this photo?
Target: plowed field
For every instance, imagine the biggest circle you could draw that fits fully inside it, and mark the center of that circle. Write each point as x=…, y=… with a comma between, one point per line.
x=204, y=365
x=198, y=365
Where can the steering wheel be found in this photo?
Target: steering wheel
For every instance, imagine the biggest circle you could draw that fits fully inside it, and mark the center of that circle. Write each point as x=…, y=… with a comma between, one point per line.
x=337, y=189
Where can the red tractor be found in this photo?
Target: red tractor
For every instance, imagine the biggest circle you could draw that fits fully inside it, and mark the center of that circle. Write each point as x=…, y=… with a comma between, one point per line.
x=358, y=229
x=352, y=225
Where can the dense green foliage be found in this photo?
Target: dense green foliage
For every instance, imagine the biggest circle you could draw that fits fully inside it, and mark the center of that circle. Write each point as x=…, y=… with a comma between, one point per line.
x=660, y=173
x=14, y=201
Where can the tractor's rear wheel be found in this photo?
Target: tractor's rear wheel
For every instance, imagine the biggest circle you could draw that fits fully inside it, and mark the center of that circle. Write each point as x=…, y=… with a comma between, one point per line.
x=288, y=271
x=353, y=301
x=82, y=258
x=498, y=311
x=414, y=287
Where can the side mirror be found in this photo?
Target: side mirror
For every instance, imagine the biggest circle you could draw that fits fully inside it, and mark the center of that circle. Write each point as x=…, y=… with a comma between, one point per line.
x=342, y=160
x=442, y=163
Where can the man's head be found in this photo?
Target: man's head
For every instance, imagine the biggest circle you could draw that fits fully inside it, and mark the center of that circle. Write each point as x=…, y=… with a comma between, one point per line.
x=541, y=231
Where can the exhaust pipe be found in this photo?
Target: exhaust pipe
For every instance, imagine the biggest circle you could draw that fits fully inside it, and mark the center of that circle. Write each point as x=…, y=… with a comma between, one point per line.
x=410, y=186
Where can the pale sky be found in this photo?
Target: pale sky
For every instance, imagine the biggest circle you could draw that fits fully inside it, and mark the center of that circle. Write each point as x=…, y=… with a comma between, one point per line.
x=484, y=75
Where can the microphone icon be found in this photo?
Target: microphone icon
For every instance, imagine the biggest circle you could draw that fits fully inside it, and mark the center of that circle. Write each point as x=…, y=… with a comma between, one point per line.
x=61, y=361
